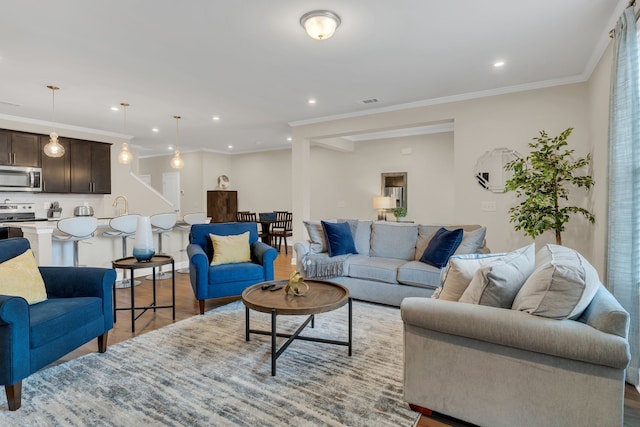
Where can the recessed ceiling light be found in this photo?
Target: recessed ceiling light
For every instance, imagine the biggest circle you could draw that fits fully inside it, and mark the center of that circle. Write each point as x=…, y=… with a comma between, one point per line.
x=155, y=130
x=498, y=64
x=115, y=109
x=311, y=101
x=170, y=147
x=230, y=147
x=289, y=139
x=216, y=118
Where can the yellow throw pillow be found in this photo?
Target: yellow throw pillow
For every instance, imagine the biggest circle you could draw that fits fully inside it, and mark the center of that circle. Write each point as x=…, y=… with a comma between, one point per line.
x=230, y=249
x=20, y=277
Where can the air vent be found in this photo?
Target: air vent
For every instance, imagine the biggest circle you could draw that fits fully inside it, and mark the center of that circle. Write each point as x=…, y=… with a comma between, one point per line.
x=10, y=104
x=369, y=101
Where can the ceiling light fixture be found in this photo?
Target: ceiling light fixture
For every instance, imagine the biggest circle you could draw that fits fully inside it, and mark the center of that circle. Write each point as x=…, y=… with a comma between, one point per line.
x=176, y=161
x=312, y=101
x=155, y=130
x=125, y=155
x=216, y=118
x=499, y=64
x=320, y=24
x=53, y=147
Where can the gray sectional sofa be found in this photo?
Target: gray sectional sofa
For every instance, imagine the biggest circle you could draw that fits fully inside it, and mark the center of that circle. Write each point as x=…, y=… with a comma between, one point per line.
x=556, y=356
x=386, y=268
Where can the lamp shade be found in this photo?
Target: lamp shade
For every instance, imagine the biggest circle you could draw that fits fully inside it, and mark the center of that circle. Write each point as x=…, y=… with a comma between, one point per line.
x=381, y=202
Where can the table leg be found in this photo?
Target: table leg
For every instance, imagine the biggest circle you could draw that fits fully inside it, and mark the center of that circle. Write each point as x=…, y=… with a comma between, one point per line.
x=114, y=302
x=173, y=288
x=133, y=310
x=154, y=286
x=350, y=325
x=246, y=324
x=273, y=343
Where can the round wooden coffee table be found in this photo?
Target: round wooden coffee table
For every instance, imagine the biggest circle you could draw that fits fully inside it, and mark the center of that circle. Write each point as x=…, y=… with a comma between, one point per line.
x=323, y=296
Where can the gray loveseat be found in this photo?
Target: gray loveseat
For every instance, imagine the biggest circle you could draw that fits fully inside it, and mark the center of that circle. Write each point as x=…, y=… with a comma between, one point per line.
x=508, y=367
x=386, y=268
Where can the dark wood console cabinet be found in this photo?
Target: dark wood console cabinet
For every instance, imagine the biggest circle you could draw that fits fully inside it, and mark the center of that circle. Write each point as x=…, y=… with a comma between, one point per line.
x=222, y=205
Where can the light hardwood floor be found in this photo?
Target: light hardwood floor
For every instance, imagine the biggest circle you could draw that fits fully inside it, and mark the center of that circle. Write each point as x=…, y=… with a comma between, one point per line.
x=187, y=306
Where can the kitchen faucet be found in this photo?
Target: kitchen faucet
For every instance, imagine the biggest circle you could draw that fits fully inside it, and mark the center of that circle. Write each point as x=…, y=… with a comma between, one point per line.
x=126, y=204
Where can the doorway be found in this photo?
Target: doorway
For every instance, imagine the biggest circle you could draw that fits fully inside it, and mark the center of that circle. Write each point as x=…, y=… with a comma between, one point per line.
x=171, y=189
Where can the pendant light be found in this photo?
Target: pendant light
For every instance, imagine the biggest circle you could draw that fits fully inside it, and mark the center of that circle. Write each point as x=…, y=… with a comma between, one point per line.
x=125, y=155
x=53, y=147
x=176, y=161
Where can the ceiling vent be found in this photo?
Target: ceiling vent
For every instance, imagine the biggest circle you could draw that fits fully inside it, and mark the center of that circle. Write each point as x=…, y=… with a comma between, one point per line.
x=369, y=101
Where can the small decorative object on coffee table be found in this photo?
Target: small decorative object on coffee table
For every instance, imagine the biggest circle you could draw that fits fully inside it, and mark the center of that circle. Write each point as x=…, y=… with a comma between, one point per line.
x=296, y=285
x=268, y=297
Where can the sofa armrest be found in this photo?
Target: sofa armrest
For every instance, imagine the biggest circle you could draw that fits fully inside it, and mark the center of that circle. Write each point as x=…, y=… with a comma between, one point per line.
x=198, y=270
x=562, y=338
x=15, y=362
x=265, y=255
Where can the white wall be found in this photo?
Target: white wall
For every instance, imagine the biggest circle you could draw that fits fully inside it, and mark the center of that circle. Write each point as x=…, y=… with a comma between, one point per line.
x=343, y=184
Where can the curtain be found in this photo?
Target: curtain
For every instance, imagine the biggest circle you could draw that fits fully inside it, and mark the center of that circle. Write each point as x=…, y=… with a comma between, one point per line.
x=623, y=256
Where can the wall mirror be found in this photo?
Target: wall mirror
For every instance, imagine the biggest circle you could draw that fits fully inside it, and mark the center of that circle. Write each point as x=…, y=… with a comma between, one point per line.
x=490, y=173
x=394, y=184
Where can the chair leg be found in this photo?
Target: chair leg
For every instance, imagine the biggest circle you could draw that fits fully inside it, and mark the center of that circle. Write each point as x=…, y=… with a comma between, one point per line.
x=102, y=342
x=201, y=304
x=14, y=395
x=286, y=249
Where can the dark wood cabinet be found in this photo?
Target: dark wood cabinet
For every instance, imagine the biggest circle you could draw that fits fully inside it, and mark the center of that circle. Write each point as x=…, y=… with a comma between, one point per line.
x=90, y=167
x=222, y=205
x=56, y=171
x=19, y=148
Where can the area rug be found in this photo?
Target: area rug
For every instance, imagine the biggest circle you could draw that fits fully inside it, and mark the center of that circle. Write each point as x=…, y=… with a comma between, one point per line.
x=202, y=372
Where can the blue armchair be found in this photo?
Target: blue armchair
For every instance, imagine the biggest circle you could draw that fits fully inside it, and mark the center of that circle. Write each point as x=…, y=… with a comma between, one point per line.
x=217, y=281
x=79, y=307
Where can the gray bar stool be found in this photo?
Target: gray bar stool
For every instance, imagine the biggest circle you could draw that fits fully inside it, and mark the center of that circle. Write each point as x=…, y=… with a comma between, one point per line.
x=187, y=221
x=162, y=223
x=123, y=226
x=73, y=230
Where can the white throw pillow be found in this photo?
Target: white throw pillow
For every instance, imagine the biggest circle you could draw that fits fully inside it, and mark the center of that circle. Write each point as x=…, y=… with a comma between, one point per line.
x=461, y=268
x=497, y=285
x=561, y=286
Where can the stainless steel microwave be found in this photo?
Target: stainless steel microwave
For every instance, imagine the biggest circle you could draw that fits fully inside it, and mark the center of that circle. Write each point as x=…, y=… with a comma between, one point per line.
x=17, y=178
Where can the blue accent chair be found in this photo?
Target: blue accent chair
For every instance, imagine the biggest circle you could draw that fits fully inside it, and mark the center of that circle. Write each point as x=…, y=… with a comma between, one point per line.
x=79, y=307
x=217, y=281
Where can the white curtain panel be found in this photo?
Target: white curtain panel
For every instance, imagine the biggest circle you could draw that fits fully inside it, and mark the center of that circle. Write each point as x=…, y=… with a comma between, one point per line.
x=623, y=267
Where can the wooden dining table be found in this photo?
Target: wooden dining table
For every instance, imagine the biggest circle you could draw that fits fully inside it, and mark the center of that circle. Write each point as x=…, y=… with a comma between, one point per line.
x=266, y=230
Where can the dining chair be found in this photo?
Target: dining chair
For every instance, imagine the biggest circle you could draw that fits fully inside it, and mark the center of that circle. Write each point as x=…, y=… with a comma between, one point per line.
x=281, y=229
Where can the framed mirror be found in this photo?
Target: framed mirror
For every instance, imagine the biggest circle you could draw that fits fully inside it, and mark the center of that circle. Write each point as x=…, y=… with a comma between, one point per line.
x=394, y=184
x=490, y=173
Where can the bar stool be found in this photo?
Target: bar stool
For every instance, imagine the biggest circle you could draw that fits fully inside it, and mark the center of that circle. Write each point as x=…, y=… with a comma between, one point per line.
x=123, y=226
x=73, y=230
x=187, y=221
x=162, y=223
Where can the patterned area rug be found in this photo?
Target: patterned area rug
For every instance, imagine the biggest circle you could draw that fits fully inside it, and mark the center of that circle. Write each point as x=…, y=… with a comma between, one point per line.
x=202, y=372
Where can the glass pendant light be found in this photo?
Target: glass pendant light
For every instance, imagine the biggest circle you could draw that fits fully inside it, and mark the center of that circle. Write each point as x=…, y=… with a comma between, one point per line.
x=53, y=147
x=125, y=155
x=176, y=160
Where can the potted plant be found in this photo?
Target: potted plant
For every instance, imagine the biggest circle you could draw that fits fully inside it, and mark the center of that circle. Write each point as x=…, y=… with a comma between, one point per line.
x=400, y=213
x=542, y=179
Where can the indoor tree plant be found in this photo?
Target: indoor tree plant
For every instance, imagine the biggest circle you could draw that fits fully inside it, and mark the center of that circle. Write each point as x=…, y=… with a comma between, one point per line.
x=542, y=179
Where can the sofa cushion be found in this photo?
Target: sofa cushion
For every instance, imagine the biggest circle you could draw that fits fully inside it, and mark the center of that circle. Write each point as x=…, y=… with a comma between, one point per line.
x=460, y=271
x=393, y=240
x=561, y=286
x=50, y=319
x=418, y=273
x=21, y=277
x=317, y=239
x=237, y=272
x=497, y=284
x=362, y=237
x=471, y=241
x=230, y=249
x=339, y=238
x=441, y=247
x=373, y=268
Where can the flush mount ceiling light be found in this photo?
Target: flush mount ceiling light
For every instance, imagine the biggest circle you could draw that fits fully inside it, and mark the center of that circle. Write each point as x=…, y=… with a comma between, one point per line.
x=125, y=155
x=320, y=24
x=53, y=147
x=176, y=161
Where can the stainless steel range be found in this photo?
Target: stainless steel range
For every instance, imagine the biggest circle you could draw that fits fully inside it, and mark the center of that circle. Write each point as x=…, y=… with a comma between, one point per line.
x=16, y=212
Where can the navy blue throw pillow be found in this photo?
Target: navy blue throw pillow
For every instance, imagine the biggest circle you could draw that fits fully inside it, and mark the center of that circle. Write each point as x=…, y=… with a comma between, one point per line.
x=441, y=247
x=339, y=238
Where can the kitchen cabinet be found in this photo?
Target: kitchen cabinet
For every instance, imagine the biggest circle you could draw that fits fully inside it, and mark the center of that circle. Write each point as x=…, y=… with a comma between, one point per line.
x=56, y=171
x=90, y=167
x=222, y=205
x=19, y=148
